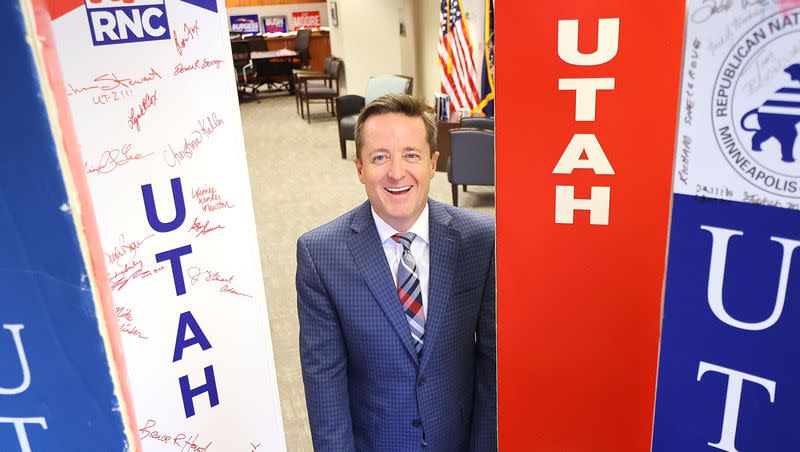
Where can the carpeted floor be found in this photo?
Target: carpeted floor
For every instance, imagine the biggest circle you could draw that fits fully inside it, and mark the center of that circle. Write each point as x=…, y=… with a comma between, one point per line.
x=299, y=181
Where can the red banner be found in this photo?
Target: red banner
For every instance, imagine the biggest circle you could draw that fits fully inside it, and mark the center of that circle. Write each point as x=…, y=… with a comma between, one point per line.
x=585, y=144
x=305, y=19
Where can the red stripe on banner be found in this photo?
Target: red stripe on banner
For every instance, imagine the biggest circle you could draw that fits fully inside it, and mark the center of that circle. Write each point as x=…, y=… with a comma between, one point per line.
x=88, y=220
x=58, y=8
x=579, y=304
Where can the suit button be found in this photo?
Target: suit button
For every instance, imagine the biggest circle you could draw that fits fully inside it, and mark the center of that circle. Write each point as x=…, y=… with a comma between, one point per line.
x=421, y=383
x=416, y=423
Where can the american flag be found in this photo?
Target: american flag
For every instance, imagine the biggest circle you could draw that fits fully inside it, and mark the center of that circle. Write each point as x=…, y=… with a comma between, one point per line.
x=459, y=79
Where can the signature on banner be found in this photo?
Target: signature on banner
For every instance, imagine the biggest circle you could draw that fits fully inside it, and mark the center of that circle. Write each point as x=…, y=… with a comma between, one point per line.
x=126, y=323
x=182, y=68
x=147, y=102
x=189, y=33
x=206, y=128
x=124, y=252
x=112, y=159
x=110, y=81
x=133, y=270
x=209, y=200
x=710, y=8
x=201, y=228
x=182, y=441
x=196, y=274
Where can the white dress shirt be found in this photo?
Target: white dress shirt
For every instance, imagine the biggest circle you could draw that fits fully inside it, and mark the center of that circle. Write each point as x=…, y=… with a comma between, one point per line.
x=419, y=250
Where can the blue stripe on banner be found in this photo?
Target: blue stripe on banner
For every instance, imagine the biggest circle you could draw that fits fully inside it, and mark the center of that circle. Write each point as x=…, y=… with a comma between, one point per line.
x=704, y=354
x=781, y=103
x=789, y=90
x=47, y=310
x=210, y=5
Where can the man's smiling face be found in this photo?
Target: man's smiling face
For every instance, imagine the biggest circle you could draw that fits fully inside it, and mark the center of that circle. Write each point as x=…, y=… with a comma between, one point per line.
x=396, y=167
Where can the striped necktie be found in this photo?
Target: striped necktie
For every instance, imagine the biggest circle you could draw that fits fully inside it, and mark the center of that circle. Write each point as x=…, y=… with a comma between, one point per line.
x=409, y=290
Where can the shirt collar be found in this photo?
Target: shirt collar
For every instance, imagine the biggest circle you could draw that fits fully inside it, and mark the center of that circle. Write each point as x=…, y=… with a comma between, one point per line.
x=420, y=227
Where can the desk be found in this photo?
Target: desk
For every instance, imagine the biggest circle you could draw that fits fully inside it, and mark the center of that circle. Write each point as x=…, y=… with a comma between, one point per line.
x=273, y=54
x=275, y=65
x=320, y=47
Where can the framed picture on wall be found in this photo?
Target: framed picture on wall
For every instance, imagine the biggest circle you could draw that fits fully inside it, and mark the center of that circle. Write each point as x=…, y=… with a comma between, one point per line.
x=334, y=15
x=306, y=19
x=245, y=23
x=274, y=24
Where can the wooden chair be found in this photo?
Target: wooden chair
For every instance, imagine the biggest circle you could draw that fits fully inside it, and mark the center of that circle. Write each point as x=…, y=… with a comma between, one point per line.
x=348, y=107
x=471, y=159
x=299, y=74
x=476, y=122
x=325, y=92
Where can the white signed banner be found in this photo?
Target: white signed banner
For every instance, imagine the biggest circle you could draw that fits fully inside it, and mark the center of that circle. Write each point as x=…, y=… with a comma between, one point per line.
x=151, y=90
x=740, y=103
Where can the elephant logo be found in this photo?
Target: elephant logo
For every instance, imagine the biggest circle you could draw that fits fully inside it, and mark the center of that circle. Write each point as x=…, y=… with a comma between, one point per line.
x=777, y=118
x=755, y=108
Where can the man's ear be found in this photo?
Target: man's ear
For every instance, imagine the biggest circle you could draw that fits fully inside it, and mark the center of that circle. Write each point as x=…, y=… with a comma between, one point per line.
x=434, y=161
x=359, y=169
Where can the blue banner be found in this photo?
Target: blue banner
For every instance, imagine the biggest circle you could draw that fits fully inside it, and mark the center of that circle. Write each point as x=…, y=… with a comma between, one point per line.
x=245, y=24
x=729, y=378
x=56, y=391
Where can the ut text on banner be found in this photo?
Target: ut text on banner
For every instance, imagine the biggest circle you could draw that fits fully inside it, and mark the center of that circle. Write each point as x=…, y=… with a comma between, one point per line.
x=727, y=377
x=583, y=198
x=59, y=386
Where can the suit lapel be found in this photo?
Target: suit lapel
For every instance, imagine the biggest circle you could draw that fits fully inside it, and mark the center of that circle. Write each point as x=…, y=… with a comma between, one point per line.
x=443, y=252
x=368, y=253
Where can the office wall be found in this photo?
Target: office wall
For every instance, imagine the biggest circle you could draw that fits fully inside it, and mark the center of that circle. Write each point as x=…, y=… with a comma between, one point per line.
x=368, y=40
x=427, y=81
x=282, y=10
x=427, y=47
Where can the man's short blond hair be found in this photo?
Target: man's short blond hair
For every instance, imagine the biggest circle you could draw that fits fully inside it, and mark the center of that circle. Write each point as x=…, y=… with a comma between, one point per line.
x=404, y=104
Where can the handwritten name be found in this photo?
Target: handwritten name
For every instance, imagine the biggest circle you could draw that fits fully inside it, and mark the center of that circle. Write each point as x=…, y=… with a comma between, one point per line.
x=765, y=201
x=181, y=440
x=713, y=191
x=230, y=290
x=206, y=128
x=110, y=81
x=205, y=63
x=209, y=199
x=129, y=327
x=147, y=102
x=124, y=249
x=112, y=159
x=133, y=270
x=710, y=8
x=196, y=274
x=189, y=34
x=203, y=228
x=124, y=313
x=686, y=151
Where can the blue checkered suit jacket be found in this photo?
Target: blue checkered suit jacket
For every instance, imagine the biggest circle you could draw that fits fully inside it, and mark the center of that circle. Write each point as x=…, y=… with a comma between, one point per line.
x=365, y=388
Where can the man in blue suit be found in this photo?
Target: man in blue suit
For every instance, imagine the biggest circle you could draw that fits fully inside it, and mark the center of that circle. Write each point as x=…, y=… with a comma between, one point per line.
x=396, y=302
